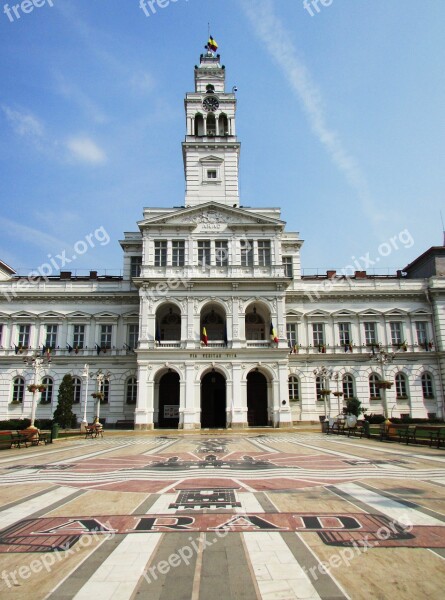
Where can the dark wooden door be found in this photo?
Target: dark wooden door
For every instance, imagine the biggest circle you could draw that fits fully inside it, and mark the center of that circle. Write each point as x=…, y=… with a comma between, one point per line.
x=257, y=400
x=213, y=401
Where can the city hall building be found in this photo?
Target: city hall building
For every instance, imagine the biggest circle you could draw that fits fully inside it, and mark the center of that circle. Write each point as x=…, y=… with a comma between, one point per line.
x=212, y=324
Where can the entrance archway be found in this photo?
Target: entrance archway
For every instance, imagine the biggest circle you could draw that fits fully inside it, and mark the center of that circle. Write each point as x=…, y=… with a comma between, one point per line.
x=169, y=401
x=213, y=401
x=257, y=400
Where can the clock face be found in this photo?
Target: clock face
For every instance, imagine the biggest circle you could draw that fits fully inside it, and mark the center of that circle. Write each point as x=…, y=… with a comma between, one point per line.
x=210, y=103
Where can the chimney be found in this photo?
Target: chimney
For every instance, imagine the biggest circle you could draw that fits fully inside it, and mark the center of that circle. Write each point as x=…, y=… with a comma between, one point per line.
x=331, y=274
x=65, y=274
x=360, y=274
x=93, y=274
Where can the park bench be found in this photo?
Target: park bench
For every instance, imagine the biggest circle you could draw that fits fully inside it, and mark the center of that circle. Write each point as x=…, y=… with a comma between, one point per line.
x=427, y=433
x=393, y=431
x=7, y=439
x=33, y=437
x=94, y=431
x=124, y=424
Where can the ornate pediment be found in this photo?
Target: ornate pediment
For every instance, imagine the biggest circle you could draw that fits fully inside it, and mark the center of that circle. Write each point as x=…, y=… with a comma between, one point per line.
x=212, y=214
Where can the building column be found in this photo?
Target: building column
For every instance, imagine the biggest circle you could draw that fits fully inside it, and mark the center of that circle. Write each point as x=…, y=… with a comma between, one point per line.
x=282, y=397
x=191, y=416
x=238, y=399
x=143, y=415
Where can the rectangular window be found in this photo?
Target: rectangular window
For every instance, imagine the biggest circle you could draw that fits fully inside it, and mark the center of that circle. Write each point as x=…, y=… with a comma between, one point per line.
x=133, y=335
x=422, y=332
x=396, y=332
x=135, y=266
x=51, y=336
x=344, y=330
x=370, y=333
x=1, y=335
x=106, y=332
x=79, y=336
x=291, y=331
x=178, y=253
x=212, y=173
x=204, y=255
x=288, y=266
x=246, y=253
x=318, y=334
x=264, y=254
x=160, y=254
x=24, y=334
x=221, y=253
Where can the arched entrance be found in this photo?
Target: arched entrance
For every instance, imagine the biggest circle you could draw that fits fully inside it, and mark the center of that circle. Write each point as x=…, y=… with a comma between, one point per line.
x=213, y=401
x=257, y=400
x=169, y=401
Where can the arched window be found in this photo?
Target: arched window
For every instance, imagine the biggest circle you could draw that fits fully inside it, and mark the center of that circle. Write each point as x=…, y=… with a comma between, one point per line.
x=255, y=325
x=348, y=387
x=401, y=387
x=427, y=386
x=47, y=395
x=131, y=391
x=374, y=390
x=199, y=125
x=18, y=390
x=77, y=383
x=294, y=388
x=223, y=125
x=211, y=124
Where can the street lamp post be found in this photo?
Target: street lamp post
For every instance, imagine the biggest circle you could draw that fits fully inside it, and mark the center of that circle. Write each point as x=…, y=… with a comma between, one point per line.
x=338, y=393
x=86, y=376
x=383, y=358
x=101, y=378
x=37, y=362
x=325, y=374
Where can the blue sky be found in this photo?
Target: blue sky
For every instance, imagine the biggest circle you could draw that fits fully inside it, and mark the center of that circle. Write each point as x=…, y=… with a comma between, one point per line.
x=340, y=115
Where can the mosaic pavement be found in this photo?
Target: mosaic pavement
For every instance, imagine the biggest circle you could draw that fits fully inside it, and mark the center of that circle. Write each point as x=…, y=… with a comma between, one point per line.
x=217, y=515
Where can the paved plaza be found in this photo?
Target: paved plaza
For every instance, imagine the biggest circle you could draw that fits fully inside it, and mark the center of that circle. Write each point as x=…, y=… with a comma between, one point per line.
x=215, y=515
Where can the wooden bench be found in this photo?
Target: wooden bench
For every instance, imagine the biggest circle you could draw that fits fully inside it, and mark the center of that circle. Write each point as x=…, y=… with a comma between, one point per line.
x=7, y=439
x=358, y=429
x=32, y=437
x=94, y=431
x=431, y=433
x=394, y=431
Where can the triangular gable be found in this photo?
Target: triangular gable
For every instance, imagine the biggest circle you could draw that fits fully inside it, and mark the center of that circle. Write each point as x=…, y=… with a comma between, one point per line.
x=211, y=212
x=6, y=272
x=211, y=160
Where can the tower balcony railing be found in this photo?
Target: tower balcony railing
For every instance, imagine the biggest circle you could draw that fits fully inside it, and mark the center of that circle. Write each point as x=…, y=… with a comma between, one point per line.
x=177, y=275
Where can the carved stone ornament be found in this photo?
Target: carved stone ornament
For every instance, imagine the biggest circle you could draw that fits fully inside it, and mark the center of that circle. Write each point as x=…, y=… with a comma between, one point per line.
x=209, y=216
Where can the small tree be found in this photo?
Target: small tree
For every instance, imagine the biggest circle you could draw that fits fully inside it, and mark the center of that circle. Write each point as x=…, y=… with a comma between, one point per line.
x=354, y=406
x=63, y=415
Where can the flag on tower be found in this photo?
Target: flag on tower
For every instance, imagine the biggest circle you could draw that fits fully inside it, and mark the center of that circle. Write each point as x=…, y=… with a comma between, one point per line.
x=205, y=339
x=212, y=45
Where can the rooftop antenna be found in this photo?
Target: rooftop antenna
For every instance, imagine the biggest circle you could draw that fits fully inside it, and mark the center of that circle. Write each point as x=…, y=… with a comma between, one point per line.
x=443, y=228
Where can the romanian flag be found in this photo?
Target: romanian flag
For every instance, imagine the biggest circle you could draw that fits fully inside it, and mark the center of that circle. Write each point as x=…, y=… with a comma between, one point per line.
x=212, y=45
x=205, y=339
x=273, y=334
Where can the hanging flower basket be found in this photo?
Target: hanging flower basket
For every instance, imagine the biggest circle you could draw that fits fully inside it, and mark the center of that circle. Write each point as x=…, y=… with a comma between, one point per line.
x=98, y=395
x=325, y=392
x=386, y=385
x=40, y=387
x=338, y=394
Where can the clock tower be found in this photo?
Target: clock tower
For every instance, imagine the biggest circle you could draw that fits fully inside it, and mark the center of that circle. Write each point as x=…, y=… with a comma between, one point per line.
x=211, y=149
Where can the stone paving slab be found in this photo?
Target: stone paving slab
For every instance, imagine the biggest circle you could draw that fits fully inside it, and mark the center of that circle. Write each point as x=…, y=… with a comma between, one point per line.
x=202, y=515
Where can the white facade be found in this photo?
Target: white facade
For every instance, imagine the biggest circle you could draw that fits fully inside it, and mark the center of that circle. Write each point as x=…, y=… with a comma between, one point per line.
x=212, y=324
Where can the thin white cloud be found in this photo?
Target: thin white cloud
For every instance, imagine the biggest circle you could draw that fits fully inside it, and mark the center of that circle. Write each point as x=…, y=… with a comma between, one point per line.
x=272, y=32
x=74, y=94
x=143, y=82
x=23, y=123
x=84, y=149
x=31, y=235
